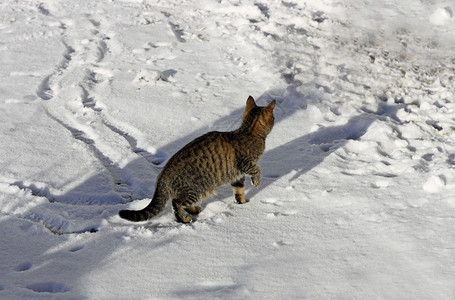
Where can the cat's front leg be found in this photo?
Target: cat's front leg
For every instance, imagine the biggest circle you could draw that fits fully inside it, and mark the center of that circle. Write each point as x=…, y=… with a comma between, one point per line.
x=256, y=176
x=250, y=168
x=238, y=187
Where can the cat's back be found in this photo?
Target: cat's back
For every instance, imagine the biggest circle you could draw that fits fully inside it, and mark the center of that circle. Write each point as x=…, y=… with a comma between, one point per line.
x=212, y=154
x=204, y=145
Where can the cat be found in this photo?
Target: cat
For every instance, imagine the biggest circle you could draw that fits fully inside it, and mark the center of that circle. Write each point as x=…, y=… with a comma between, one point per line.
x=214, y=159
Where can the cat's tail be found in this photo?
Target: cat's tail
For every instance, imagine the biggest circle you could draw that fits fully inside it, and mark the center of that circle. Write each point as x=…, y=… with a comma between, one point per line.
x=155, y=206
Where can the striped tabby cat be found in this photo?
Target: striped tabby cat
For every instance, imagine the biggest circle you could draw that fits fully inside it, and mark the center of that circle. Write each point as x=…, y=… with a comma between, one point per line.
x=206, y=163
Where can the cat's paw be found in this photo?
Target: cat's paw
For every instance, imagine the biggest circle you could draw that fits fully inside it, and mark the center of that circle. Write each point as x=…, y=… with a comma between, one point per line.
x=194, y=210
x=240, y=198
x=185, y=219
x=256, y=180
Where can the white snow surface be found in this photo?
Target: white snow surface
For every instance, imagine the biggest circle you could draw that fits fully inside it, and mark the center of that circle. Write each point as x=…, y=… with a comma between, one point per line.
x=357, y=199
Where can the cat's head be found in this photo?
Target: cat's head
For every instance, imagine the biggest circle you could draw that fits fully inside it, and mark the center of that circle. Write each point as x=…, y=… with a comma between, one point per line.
x=259, y=117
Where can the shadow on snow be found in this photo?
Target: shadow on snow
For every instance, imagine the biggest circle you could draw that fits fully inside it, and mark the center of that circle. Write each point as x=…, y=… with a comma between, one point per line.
x=304, y=153
x=298, y=155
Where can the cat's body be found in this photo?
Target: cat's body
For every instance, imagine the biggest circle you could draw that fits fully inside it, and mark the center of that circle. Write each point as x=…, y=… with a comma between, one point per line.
x=206, y=163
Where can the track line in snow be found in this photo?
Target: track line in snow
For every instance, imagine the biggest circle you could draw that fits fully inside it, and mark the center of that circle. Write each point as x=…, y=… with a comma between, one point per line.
x=35, y=189
x=44, y=90
x=48, y=87
x=89, y=101
x=120, y=183
x=153, y=158
x=80, y=69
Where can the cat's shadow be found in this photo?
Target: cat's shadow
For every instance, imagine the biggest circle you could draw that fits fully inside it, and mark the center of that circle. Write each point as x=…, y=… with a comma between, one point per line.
x=306, y=152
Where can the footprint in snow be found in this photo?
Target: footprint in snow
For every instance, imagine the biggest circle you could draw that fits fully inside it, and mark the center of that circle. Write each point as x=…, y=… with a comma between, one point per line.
x=281, y=243
x=48, y=287
x=272, y=201
x=23, y=266
x=277, y=214
x=76, y=248
x=381, y=183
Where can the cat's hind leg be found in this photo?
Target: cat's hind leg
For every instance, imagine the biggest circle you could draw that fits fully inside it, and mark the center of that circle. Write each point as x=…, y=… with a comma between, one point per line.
x=183, y=204
x=238, y=188
x=179, y=211
x=193, y=209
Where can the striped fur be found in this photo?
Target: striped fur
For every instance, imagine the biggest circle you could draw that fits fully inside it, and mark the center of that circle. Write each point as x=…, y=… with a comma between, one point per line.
x=214, y=159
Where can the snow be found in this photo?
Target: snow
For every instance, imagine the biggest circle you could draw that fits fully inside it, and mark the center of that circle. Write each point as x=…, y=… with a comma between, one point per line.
x=357, y=197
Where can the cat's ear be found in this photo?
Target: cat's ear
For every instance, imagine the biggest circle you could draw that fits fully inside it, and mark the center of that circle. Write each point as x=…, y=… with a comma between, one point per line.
x=271, y=106
x=267, y=114
x=250, y=104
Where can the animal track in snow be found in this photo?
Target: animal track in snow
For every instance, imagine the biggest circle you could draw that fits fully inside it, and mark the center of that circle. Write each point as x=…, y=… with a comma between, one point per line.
x=85, y=78
x=43, y=9
x=154, y=158
x=48, y=287
x=93, y=76
x=178, y=32
x=24, y=267
x=76, y=248
x=381, y=184
x=281, y=243
x=96, y=49
x=46, y=89
x=263, y=8
x=81, y=72
x=272, y=201
x=175, y=28
x=279, y=209
x=36, y=189
x=276, y=214
x=120, y=184
x=87, y=100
